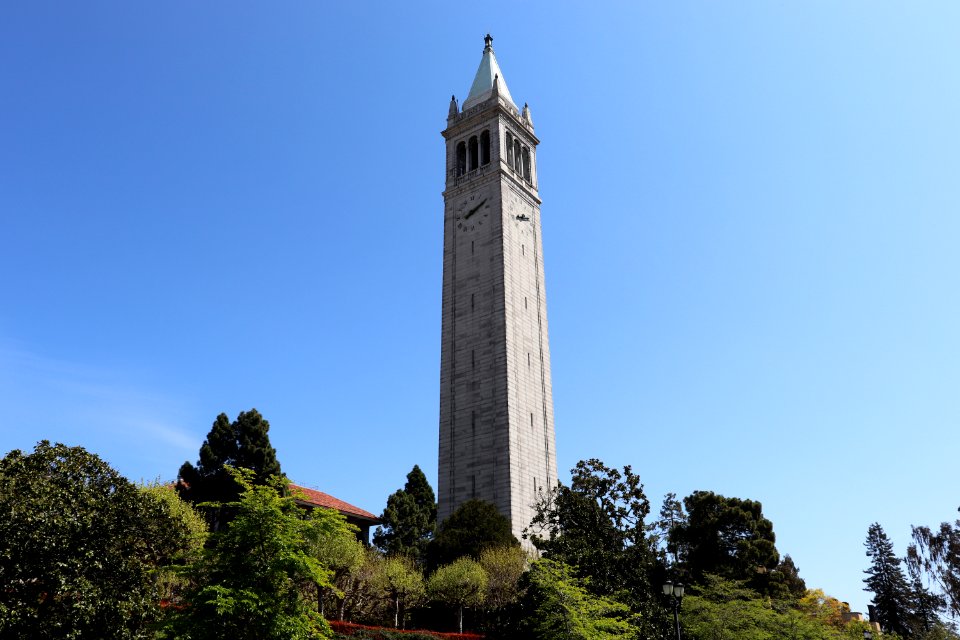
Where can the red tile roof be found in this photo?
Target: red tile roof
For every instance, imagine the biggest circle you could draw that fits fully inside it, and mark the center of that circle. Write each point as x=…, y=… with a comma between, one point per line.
x=321, y=499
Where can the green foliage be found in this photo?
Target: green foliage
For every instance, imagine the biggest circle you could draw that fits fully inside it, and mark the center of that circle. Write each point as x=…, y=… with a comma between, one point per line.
x=242, y=444
x=190, y=531
x=475, y=525
x=403, y=584
x=728, y=537
x=504, y=567
x=596, y=525
x=785, y=583
x=343, y=555
x=409, y=518
x=724, y=609
x=885, y=579
x=248, y=584
x=937, y=553
x=463, y=583
x=79, y=547
x=566, y=609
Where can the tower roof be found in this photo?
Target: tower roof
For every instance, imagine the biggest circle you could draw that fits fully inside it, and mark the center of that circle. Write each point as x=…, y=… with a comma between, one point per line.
x=488, y=74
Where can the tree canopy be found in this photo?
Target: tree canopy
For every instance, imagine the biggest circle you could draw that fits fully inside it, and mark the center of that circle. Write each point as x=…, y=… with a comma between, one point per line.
x=242, y=444
x=597, y=527
x=79, y=545
x=475, y=525
x=250, y=583
x=409, y=519
x=728, y=537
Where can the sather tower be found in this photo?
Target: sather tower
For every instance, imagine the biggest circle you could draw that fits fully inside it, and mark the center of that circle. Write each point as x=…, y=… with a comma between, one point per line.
x=496, y=403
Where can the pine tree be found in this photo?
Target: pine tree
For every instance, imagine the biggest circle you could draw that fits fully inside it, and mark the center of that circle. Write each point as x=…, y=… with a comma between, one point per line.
x=409, y=519
x=243, y=443
x=885, y=579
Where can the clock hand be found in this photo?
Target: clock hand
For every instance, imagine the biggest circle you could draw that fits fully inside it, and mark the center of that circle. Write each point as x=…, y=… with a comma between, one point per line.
x=474, y=210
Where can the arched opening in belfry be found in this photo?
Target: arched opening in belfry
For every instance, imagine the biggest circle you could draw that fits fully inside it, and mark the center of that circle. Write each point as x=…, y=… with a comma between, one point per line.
x=461, y=158
x=509, y=149
x=516, y=156
x=485, y=147
x=473, y=152
x=526, y=164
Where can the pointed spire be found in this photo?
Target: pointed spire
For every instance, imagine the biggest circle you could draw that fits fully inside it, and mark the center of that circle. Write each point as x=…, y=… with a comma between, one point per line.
x=488, y=76
x=526, y=115
x=454, y=110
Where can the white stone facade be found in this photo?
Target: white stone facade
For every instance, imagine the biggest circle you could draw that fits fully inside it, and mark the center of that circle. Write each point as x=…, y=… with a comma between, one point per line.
x=497, y=438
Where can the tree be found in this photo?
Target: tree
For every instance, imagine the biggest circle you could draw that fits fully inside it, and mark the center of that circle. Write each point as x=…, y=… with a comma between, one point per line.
x=249, y=583
x=785, y=582
x=79, y=545
x=475, y=525
x=343, y=555
x=191, y=530
x=596, y=526
x=719, y=608
x=403, y=584
x=241, y=444
x=886, y=581
x=566, y=609
x=937, y=553
x=409, y=518
x=459, y=584
x=504, y=567
x=728, y=537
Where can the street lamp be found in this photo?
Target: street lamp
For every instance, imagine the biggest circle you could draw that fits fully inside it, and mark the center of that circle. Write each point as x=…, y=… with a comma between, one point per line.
x=867, y=634
x=675, y=592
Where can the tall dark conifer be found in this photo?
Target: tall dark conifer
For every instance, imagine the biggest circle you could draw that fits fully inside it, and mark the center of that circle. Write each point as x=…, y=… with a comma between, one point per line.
x=885, y=579
x=410, y=518
x=243, y=443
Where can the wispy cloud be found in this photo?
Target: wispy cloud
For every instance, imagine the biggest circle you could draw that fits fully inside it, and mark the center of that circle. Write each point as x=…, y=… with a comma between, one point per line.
x=102, y=408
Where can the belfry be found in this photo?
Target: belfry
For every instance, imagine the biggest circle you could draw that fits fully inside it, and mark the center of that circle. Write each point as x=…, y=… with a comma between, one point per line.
x=497, y=438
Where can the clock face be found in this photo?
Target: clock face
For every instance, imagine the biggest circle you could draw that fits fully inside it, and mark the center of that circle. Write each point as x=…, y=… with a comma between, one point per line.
x=473, y=211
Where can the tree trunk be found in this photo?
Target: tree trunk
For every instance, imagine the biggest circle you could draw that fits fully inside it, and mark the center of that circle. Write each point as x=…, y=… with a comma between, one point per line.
x=396, y=612
x=461, y=618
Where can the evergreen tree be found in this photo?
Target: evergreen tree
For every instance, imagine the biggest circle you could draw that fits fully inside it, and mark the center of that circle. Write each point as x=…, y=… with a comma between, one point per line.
x=728, y=537
x=242, y=444
x=885, y=579
x=476, y=525
x=409, y=519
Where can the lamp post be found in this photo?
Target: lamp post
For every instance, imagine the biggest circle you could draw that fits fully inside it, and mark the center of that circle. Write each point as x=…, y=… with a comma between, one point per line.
x=675, y=592
x=867, y=635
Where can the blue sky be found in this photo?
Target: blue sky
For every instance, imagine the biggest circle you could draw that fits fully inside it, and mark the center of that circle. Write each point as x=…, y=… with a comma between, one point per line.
x=750, y=232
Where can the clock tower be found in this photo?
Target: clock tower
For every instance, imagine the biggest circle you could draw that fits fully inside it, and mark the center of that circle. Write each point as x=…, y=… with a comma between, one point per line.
x=496, y=404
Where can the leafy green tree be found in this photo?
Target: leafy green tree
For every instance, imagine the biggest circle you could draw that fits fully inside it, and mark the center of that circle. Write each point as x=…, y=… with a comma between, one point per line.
x=886, y=581
x=566, y=610
x=475, y=525
x=409, y=519
x=596, y=525
x=504, y=567
x=242, y=444
x=404, y=586
x=79, y=547
x=460, y=584
x=249, y=583
x=721, y=609
x=190, y=527
x=343, y=555
x=728, y=537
